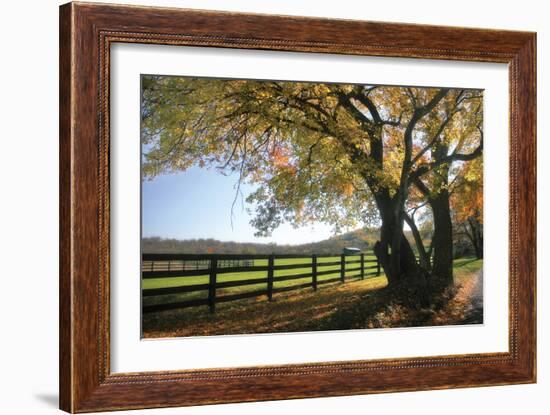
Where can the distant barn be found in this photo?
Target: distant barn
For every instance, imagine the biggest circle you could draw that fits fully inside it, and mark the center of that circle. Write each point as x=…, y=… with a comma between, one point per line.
x=351, y=251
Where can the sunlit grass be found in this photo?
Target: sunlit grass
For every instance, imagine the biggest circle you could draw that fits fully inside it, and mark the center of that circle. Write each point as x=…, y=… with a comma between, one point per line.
x=464, y=267
x=151, y=283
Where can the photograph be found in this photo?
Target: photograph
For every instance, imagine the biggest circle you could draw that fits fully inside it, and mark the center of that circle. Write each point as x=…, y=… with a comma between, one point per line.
x=277, y=206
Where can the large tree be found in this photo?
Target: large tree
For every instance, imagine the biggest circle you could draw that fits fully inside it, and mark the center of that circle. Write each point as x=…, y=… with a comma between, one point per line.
x=455, y=129
x=336, y=153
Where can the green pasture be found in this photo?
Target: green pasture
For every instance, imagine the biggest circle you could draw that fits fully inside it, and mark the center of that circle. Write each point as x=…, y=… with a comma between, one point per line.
x=462, y=268
x=149, y=283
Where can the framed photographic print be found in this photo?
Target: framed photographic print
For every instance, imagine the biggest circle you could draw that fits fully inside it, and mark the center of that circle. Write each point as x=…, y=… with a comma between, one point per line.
x=261, y=207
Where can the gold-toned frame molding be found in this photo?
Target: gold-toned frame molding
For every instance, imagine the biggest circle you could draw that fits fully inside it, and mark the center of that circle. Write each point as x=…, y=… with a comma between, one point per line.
x=86, y=34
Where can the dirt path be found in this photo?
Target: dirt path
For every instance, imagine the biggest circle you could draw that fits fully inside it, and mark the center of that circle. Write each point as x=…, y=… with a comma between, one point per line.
x=466, y=307
x=474, y=310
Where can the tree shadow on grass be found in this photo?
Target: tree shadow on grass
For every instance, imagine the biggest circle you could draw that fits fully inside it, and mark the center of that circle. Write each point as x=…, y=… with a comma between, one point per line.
x=381, y=309
x=297, y=311
x=354, y=305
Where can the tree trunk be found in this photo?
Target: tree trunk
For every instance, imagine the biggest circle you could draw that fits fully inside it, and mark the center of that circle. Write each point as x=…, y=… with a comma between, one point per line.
x=400, y=264
x=424, y=258
x=442, y=239
x=477, y=236
x=442, y=268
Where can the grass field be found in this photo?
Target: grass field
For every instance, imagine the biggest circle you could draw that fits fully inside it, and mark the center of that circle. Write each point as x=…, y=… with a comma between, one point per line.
x=354, y=305
x=463, y=268
x=240, y=276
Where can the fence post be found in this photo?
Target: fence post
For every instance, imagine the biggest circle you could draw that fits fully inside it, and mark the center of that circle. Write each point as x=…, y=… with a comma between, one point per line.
x=342, y=267
x=377, y=267
x=270, y=265
x=212, y=283
x=362, y=266
x=314, y=272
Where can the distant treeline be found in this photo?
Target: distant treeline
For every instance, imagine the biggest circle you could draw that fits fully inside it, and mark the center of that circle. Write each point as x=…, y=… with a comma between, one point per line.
x=362, y=239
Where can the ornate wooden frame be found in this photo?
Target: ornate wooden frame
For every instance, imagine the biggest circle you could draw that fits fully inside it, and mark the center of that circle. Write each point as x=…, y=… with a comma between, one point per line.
x=86, y=33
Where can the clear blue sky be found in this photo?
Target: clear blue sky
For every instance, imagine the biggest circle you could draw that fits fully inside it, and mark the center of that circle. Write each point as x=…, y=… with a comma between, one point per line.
x=197, y=204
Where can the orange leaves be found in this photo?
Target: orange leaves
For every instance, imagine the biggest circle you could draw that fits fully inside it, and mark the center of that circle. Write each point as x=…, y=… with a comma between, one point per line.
x=348, y=189
x=467, y=199
x=281, y=160
x=280, y=157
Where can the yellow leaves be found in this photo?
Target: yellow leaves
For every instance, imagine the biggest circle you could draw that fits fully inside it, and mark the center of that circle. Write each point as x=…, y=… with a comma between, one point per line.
x=299, y=212
x=393, y=162
x=263, y=94
x=290, y=169
x=473, y=170
x=301, y=142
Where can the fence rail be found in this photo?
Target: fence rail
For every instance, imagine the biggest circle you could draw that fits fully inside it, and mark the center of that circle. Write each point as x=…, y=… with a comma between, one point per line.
x=211, y=266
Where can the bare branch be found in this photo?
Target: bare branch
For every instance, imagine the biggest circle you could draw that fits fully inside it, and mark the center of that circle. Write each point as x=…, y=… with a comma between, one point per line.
x=449, y=159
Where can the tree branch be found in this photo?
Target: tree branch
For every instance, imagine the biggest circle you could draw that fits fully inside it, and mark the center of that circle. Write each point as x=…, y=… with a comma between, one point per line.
x=448, y=159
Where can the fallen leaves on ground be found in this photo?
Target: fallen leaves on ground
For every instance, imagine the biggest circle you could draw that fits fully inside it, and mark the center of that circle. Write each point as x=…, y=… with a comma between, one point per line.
x=353, y=305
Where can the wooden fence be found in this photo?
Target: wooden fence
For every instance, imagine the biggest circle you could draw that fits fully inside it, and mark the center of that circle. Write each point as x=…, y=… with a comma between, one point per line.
x=212, y=265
